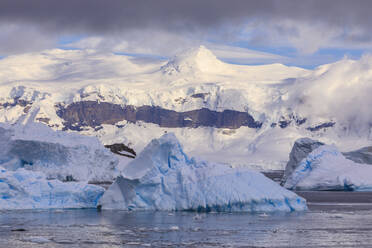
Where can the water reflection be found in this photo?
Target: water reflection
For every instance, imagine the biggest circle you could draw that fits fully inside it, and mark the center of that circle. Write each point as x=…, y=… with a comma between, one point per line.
x=89, y=228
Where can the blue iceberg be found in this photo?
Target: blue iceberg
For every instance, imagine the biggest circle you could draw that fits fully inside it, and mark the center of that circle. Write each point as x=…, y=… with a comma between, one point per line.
x=163, y=177
x=59, y=155
x=24, y=189
x=326, y=168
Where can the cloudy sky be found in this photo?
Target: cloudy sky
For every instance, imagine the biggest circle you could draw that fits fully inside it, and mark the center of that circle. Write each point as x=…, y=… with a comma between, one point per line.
x=303, y=33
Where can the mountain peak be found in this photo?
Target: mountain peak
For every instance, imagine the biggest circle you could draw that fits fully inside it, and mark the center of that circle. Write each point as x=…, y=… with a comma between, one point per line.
x=200, y=52
x=199, y=59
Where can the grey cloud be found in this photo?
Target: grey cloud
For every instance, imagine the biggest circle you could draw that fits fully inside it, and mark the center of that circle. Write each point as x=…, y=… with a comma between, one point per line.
x=24, y=38
x=37, y=24
x=101, y=16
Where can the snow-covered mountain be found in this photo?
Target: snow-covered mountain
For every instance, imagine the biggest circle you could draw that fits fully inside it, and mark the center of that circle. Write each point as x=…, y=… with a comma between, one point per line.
x=243, y=115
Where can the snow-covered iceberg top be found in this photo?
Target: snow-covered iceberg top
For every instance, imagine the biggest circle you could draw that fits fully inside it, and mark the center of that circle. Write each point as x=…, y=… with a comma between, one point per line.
x=58, y=154
x=23, y=189
x=163, y=177
x=326, y=168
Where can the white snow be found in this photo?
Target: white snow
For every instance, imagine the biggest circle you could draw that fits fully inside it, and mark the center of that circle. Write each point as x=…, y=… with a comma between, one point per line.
x=327, y=169
x=195, y=61
x=23, y=189
x=163, y=177
x=338, y=92
x=58, y=154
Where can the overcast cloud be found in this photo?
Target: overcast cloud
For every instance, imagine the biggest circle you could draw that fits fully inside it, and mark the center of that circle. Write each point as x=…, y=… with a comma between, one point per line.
x=303, y=25
x=100, y=16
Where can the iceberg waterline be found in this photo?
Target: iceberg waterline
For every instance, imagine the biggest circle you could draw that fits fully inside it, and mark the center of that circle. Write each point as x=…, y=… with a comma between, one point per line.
x=163, y=177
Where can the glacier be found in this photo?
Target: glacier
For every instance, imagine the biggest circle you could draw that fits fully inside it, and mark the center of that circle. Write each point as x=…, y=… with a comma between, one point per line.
x=23, y=189
x=59, y=155
x=163, y=177
x=326, y=168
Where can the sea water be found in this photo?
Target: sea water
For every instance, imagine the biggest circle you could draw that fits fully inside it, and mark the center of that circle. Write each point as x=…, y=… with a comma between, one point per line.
x=320, y=226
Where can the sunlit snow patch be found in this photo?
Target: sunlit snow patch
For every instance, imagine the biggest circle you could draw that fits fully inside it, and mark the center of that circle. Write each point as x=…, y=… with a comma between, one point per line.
x=162, y=177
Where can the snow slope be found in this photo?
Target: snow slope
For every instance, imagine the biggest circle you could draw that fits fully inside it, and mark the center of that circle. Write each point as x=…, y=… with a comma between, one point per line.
x=163, y=177
x=330, y=103
x=326, y=168
x=23, y=189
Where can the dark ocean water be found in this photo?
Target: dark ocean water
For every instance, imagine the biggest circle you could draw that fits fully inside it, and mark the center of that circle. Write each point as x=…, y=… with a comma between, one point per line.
x=324, y=225
x=334, y=219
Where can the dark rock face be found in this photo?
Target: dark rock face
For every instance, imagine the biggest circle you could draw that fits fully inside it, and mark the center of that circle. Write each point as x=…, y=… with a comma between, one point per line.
x=300, y=121
x=200, y=95
x=286, y=121
x=122, y=150
x=361, y=156
x=301, y=148
x=44, y=120
x=16, y=101
x=321, y=126
x=93, y=114
x=284, y=124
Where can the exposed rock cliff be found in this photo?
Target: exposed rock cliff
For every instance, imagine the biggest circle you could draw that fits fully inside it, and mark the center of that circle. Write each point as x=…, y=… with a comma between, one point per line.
x=91, y=113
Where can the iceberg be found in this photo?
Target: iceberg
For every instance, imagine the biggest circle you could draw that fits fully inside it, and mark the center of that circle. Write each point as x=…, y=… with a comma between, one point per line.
x=23, y=189
x=163, y=177
x=301, y=148
x=326, y=168
x=58, y=154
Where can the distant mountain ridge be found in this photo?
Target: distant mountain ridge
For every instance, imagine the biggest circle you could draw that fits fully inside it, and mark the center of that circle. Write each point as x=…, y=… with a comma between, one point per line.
x=244, y=115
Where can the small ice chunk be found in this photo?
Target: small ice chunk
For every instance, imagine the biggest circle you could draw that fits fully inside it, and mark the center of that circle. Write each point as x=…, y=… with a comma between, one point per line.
x=174, y=228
